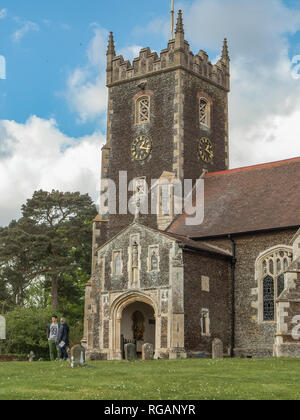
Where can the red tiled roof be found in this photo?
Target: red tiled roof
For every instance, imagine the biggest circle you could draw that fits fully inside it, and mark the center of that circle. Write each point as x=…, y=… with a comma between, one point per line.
x=260, y=197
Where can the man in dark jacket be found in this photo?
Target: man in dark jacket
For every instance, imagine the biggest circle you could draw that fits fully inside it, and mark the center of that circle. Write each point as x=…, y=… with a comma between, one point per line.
x=63, y=339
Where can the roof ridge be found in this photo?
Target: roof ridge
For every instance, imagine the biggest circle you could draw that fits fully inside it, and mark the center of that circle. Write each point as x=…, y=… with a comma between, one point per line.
x=252, y=167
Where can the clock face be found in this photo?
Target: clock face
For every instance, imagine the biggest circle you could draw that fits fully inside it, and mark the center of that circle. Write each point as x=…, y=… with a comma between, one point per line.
x=206, y=150
x=141, y=148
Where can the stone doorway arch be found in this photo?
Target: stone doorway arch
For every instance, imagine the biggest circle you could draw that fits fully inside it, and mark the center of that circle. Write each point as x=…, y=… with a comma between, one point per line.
x=117, y=310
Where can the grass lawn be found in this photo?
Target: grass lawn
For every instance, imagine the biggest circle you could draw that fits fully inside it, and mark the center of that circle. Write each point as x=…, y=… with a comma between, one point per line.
x=272, y=379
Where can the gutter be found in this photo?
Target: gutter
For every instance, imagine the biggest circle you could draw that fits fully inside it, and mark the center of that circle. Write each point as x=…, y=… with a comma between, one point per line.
x=233, y=268
x=205, y=251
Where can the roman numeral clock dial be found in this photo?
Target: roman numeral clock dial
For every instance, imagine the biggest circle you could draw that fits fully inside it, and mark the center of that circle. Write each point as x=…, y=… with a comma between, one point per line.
x=206, y=150
x=141, y=148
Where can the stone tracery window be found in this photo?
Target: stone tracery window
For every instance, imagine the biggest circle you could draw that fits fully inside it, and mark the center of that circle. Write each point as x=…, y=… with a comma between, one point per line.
x=204, y=112
x=143, y=110
x=272, y=268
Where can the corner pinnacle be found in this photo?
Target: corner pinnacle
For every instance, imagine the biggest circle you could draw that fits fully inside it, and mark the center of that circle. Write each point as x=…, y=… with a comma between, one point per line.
x=225, y=53
x=111, y=45
x=179, y=25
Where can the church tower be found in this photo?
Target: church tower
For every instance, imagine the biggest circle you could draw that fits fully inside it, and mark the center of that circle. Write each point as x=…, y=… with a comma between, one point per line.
x=166, y=114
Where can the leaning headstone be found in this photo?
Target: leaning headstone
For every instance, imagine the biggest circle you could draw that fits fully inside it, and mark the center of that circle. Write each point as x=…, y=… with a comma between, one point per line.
x=217, y=349
x=2, y=328
x=77, y=356
x=130, y=352
x=31, y=356
x=147, y=351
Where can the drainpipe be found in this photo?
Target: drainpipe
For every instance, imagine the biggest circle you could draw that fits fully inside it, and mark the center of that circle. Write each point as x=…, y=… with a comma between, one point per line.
x=233, y=266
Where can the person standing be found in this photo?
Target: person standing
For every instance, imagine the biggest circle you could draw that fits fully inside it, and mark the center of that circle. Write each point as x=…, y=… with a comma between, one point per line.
x=52, y=338
x=63, y=339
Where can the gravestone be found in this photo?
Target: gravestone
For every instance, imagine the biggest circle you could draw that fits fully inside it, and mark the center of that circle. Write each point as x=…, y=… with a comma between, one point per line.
x=147, y=351
x=77, y=356
x=2, y=328
x=130, y=352
x=217, y=349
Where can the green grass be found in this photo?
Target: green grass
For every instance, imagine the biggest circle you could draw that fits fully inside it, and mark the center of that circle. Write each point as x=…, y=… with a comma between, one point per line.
x=271, y=379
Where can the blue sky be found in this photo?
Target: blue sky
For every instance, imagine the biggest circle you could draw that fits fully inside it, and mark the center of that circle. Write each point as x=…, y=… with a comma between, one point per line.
x=39, y=63
x=53, y=100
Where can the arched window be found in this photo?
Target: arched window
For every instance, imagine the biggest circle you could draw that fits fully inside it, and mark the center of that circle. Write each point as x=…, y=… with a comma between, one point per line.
x=271, y=268
x=204, y=112
x=143, y=110
x=117, y=263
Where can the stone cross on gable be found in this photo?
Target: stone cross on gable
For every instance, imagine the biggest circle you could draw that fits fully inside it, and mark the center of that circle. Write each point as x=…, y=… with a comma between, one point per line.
x=137, y=208
x=140, y=196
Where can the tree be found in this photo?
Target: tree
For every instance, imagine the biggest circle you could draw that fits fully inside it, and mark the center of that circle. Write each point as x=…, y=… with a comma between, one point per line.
x=21, y=250
x=62, y=225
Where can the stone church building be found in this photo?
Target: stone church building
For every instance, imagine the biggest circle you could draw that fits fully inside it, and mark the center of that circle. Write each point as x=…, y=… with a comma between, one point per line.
x=158, y=278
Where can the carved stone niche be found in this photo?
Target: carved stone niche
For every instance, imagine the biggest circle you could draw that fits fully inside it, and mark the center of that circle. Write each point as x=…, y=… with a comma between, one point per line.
x=177, y=261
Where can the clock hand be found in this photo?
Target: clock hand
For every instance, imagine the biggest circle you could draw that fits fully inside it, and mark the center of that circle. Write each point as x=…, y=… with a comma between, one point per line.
x=144, y=148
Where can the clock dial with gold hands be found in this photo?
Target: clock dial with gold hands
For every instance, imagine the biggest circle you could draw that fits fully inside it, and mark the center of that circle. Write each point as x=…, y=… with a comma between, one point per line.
x=141, y=148
x=206, y=150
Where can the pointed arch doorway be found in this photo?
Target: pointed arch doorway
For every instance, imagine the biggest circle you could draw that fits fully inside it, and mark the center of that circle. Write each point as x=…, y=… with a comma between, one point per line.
x=134, y=319
x=138, y=325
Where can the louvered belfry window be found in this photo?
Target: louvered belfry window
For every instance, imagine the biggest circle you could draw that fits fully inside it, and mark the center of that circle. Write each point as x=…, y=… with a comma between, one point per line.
x=143, y=110
x=204, y=112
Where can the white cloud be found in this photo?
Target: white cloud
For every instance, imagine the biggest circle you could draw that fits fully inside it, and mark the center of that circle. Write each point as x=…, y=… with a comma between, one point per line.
x=265, y=94
x=3, y=13
x=37, y=155
x=27, y=26
x=131, y=52
x=86, y=86
x=86, y=92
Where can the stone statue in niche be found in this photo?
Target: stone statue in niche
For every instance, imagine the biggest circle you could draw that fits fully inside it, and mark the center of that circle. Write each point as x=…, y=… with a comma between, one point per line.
x=118, y=264
x=154, y=261
x=138, y=326
x=135, y=255
x=135, y=263
x=178, y=260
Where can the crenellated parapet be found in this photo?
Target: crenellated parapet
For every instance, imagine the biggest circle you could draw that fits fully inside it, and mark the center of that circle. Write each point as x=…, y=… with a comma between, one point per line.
x=177, y=55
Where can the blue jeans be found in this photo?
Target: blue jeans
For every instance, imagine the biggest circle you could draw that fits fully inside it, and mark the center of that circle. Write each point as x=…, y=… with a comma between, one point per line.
x=63, y=353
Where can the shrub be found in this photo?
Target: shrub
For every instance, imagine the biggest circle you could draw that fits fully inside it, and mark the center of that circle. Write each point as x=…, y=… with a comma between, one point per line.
x=26, y=331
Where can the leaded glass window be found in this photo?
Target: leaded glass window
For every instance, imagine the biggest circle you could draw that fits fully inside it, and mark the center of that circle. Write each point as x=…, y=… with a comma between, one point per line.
x=268, y=287
x=143, y=110
x=265, y=267
x=278, y=265
x=272, y=271
x=280, y=284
